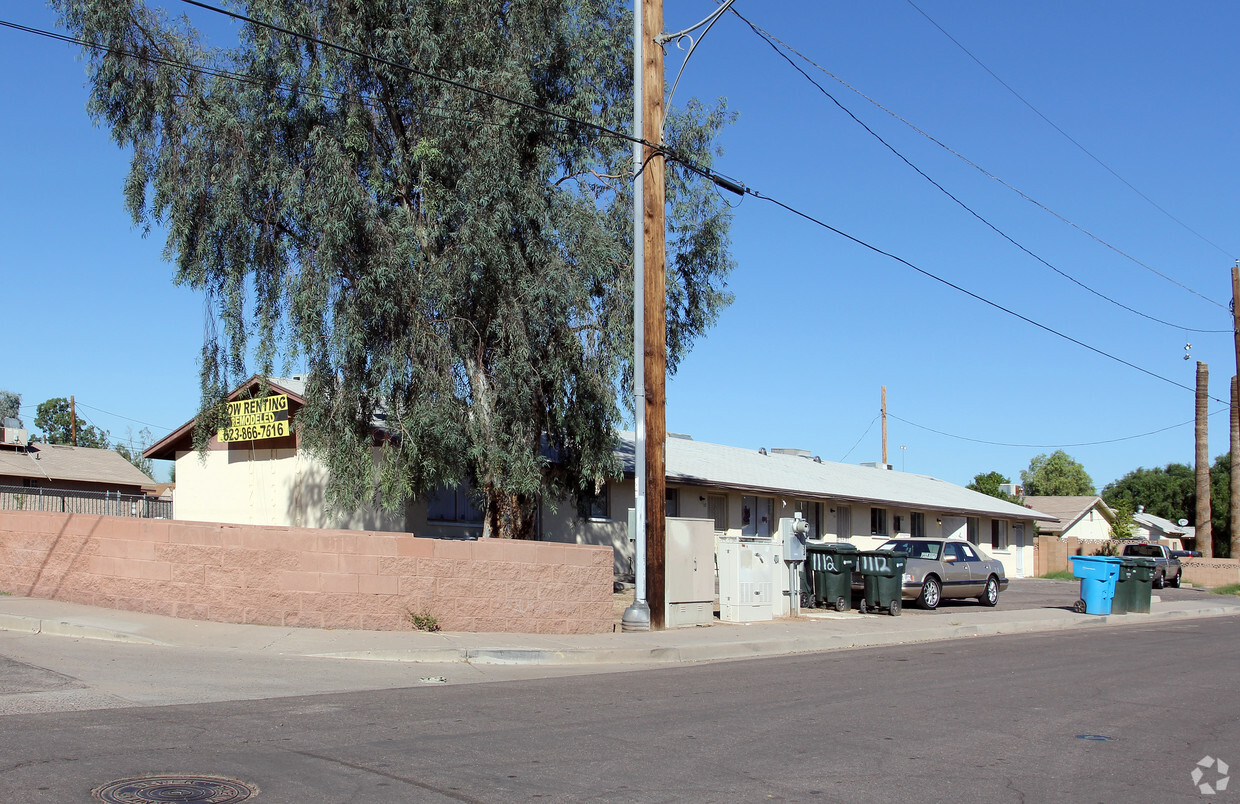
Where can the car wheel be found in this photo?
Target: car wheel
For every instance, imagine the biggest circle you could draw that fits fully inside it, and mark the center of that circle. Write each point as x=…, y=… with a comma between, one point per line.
x=990, y=595
x=1160, y=580
x=931, y=592
x=1175, y=582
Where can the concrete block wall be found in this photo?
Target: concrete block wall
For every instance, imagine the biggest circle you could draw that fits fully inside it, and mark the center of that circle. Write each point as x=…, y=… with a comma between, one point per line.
x=1052, y=554
x=304, y=576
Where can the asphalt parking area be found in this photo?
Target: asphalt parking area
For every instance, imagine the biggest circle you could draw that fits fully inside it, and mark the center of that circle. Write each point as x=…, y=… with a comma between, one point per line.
x=1039, y=593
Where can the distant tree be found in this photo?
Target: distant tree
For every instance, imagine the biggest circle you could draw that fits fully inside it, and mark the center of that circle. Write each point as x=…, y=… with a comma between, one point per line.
x=1122, y=525
x=1056, y=475
x=989, y=483
x=54, y=419
x=454, y=261
x=1220, y=505
x=10, y=406
x=131, y=450
x=1169, y=492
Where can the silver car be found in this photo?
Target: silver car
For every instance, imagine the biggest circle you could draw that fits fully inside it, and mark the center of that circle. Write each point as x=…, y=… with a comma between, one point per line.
x=947, y=568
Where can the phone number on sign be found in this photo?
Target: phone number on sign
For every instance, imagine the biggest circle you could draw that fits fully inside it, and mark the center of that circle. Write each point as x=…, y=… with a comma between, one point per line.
x=253, y=432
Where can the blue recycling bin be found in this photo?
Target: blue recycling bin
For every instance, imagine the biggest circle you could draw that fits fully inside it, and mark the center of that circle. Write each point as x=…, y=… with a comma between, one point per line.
x=1098, y=575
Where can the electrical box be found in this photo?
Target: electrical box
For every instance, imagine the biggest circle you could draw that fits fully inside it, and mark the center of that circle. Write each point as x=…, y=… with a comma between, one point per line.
x=689, y=572
x=747, y=578
x=793, y=531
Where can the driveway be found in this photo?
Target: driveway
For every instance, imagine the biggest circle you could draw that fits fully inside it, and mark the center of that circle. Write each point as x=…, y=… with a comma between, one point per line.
x=1039, y=593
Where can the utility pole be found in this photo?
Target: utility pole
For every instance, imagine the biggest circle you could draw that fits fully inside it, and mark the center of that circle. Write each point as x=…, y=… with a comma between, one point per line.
x=884, y=427
x=1235, y=416
x=1205, y=537
x=72, y=419
x=655, y=320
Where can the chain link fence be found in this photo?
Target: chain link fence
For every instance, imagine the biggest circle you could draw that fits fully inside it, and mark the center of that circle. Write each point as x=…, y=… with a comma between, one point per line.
x=71, y=501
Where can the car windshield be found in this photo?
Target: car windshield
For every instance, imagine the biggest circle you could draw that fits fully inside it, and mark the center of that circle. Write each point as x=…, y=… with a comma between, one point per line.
x=914, y=549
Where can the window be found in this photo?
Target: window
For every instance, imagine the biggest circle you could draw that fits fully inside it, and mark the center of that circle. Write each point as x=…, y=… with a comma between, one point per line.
x=672, y=503
x=974, y=530
x=878, y=521
x=969, y=553
x=756, y=516
x=897, y=524
x=952, y=551
x=843, y=522
x=811, y=512
x=594, y=506
x=453, y=505
x=717, y=509
x=998, y=534
x=917, y=525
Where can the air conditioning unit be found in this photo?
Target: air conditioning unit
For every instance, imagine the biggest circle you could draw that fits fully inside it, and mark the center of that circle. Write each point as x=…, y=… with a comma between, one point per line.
x=13, y=436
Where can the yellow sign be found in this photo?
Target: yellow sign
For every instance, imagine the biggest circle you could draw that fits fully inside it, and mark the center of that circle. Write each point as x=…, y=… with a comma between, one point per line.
x=255, y=419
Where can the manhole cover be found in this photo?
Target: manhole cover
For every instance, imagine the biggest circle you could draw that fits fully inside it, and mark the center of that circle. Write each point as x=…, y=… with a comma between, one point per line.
x=181, y=789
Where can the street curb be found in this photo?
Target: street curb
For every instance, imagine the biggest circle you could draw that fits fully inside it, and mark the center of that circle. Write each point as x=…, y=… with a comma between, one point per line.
x=890, y=633
x=36, y=625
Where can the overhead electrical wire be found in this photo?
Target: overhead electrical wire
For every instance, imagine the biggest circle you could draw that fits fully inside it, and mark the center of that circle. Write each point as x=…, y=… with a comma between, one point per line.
x=770, y=41
x=1047, y=446
x=1069, y=137
x=719, y=179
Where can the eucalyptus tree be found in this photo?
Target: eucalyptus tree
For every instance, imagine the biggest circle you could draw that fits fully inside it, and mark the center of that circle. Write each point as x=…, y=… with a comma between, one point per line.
x=425, y=202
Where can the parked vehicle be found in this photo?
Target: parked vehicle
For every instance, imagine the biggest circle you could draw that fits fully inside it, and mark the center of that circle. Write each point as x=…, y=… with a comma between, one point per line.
x=1186, y=553
x=947, y=568
x=1167, y=569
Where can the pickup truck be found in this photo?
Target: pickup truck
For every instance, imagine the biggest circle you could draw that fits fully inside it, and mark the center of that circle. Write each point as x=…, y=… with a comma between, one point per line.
x=1167, y=570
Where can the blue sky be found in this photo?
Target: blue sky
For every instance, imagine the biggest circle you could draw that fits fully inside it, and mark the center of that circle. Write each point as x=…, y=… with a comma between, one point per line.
x=820, y=323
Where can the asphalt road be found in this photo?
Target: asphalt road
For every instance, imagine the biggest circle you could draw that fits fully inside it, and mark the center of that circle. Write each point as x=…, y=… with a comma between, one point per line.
x=1113, y=714
x=1036, y=593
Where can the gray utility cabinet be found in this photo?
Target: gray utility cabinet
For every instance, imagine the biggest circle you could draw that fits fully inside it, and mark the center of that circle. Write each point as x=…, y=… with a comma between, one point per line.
x=689, y=572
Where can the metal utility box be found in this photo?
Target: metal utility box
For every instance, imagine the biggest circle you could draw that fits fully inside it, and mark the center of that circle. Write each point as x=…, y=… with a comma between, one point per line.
x=748, y=572
x=689, y=572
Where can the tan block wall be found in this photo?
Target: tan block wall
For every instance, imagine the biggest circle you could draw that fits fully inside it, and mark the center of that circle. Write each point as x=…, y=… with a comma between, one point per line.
x=1052, y=555
x=305, y=577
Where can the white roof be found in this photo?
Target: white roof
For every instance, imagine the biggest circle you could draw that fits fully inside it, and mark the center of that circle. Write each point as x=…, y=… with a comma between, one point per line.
x=699, y=463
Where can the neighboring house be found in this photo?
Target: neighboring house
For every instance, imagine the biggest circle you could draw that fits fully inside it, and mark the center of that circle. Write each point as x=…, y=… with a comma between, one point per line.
x=745, y=492
x=1081, y=517
x=1156, y=529
x=64, y=478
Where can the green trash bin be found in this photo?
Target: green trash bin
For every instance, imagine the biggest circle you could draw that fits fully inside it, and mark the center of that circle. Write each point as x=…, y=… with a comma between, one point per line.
x=882, y=574
x=828, y=573
x=1135, y=585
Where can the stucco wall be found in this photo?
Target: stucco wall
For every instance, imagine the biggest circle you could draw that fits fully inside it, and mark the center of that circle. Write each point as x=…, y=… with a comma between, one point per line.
x=305, y=577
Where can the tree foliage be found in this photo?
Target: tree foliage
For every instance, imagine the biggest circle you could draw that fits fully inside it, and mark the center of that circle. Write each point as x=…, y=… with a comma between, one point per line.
x=989, y=483
x=1056, y=475
x=55, y=421
x=11, y=406
x=131, y=449
x=454, y=262
x=1169, y=492
x=1123, y=523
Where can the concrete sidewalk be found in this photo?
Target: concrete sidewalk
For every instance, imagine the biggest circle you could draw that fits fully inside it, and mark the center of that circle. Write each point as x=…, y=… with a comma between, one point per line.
x=811, y=632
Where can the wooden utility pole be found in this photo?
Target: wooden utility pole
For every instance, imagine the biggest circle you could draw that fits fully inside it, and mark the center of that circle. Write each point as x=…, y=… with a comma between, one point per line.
x=884, y=427
x=72, y=419
x=1235, y=475
x=1205, y=536
x=1235, y=416
x=655, y=320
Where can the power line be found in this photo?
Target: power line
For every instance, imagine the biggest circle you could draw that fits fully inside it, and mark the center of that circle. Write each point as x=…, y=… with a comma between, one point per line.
x=423, y=74
x=973, y=295
x=770, y=41
x=859, y=440
x=1047, y=446
x=1052, y=124
x=714, y=176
